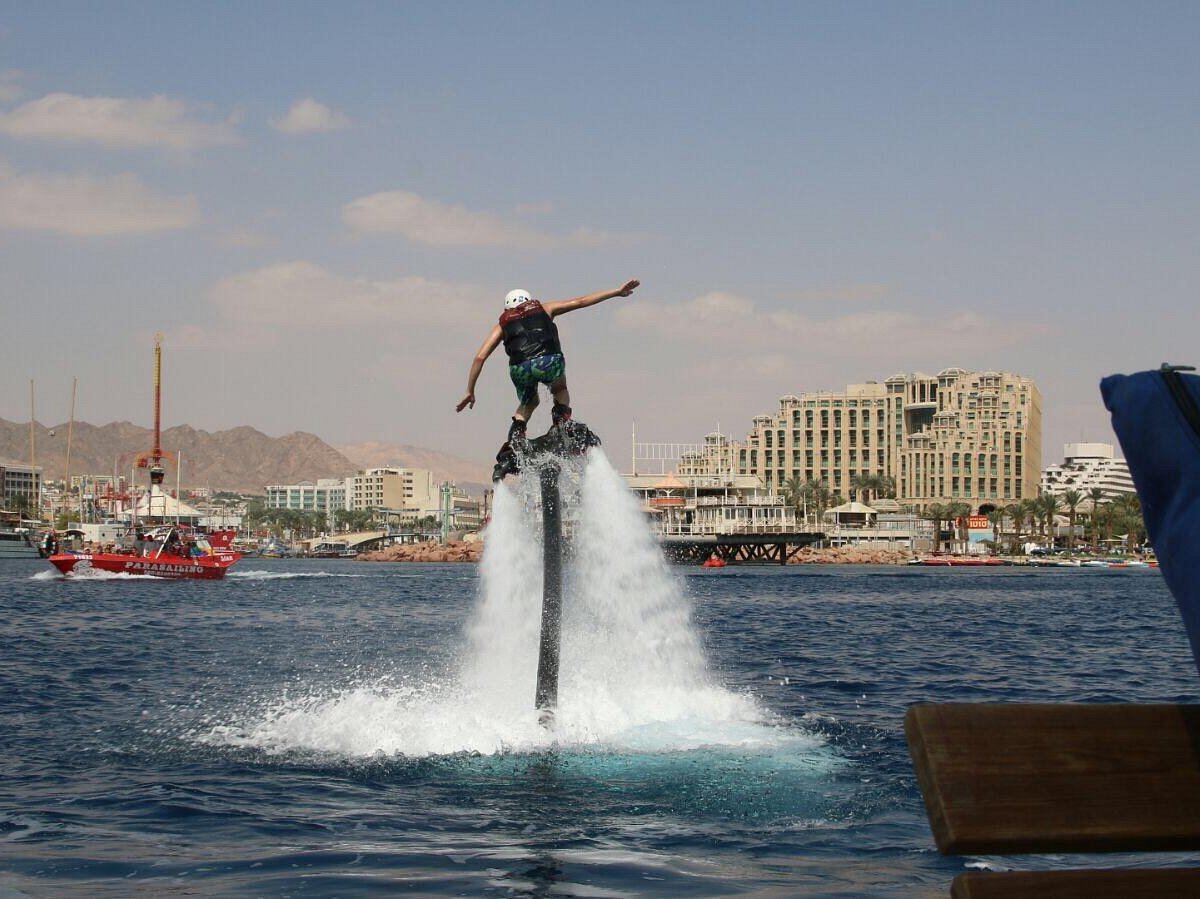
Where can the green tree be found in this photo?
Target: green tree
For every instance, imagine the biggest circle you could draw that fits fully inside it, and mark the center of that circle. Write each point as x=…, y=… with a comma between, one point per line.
x=1047, y=506
x=794, y=494
x=354, y=519
x=887, y=486
x=1098, y=498
x=818, y=497
x=936, y=513
x=996, y=520
x=1014, y=514
x=873, y=486
x=1127, y=518
x=958, y=513
x=1027, y=514
x=1071, y=499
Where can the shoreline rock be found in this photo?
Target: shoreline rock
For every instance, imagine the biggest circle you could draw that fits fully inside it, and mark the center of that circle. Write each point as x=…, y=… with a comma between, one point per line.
x=455, y=551
x=850, y=555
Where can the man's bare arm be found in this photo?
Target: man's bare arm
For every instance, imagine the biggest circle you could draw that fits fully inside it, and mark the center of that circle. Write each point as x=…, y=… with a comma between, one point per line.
x=563, y=306
x=493, y=341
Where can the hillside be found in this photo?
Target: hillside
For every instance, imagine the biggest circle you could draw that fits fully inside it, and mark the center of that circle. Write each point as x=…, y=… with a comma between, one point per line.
x=242, y=458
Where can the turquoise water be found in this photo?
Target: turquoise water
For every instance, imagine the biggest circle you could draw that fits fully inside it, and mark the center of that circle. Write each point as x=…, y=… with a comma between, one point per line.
x=305, y=728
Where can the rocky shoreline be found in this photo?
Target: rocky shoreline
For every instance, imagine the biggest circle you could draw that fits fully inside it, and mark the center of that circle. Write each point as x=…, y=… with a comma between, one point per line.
x=455, y=551
x=471, y=550
x=850, y=555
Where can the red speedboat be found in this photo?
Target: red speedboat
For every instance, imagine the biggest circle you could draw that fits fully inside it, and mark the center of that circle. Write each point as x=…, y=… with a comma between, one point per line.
x=169, y=553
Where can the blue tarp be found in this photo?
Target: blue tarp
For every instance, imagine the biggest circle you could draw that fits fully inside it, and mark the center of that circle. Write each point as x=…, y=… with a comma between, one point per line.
x=1156, y=415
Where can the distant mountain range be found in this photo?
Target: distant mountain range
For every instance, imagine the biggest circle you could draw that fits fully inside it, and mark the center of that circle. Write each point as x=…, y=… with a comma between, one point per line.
x=242, y=459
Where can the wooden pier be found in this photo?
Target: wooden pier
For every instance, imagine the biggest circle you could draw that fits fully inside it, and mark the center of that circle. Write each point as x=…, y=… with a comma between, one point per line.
x=753, y=549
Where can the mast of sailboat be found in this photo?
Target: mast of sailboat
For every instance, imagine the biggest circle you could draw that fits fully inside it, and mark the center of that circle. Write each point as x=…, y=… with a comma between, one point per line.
x=153, y=459
x=70, y=435
x=156, y=455
x=37, y=481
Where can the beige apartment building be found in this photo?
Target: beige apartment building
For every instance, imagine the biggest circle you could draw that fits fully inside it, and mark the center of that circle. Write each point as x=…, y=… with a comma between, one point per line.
x=393, y=488
x=971, y=437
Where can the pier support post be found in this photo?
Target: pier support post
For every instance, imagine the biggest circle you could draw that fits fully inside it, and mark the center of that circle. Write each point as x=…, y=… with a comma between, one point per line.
x=546, y=699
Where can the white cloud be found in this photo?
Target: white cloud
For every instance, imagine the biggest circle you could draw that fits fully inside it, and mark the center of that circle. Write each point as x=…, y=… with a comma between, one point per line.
x=301, y=295
x=443, y=225
x=307, y=116
x=84, y=206
x=115, y=122
x=10, y=88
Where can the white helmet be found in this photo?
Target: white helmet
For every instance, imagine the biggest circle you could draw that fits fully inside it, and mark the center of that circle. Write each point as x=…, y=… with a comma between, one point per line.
x=515, y=298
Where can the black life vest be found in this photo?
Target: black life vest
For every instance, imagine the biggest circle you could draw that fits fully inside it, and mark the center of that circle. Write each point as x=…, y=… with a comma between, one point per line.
x=529, y=332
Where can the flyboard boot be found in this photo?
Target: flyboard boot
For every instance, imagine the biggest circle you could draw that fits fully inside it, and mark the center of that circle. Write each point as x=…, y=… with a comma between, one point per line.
x=514, y=450
x=566, y=437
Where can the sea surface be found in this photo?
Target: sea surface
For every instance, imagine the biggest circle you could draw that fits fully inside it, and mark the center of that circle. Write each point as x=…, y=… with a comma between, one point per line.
x=311, y=728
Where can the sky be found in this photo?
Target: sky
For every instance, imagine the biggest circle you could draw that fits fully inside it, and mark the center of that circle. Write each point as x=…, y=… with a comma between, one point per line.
x=321, y=207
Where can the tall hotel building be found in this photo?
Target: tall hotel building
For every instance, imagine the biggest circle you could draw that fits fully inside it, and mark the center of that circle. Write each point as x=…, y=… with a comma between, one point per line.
x=971, y=437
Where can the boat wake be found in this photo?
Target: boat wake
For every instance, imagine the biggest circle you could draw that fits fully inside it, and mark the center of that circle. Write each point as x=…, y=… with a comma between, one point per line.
x=633, y=674
x=97, y=574
x=260, y=575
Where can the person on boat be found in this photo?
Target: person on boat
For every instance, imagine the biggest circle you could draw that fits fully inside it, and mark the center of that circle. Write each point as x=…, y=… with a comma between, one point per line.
x=535, y=354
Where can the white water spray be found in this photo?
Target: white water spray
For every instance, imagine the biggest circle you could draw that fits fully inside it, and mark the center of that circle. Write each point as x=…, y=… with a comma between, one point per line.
x=633, y=674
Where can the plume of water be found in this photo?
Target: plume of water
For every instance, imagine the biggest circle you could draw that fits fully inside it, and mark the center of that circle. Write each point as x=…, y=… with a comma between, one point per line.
x=632, y=677
x=630, y=657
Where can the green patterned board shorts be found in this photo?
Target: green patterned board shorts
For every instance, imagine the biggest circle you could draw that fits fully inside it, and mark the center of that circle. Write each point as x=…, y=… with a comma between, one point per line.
x=539, y=370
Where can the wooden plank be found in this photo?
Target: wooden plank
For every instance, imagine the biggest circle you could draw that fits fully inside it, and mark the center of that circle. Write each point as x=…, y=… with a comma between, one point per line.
x=1143, y=883
x=1016, y=778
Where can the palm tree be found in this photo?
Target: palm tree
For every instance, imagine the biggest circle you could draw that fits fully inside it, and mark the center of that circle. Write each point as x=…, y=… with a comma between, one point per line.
x=1071, y=499
x=818, y=495
x=887, y=486
x=1127, y=514
x=794, y=494
x=1014, y=514
x=861, y=484
x=1047, y=507
x=958, y=513
x=1097, y=495
x=937, y=513
x=1028, y=514
x=996, y=520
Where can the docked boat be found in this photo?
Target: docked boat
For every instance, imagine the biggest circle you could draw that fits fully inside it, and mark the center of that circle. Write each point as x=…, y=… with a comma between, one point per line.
x=16, y=540
x=170, y=552
x=332, y=550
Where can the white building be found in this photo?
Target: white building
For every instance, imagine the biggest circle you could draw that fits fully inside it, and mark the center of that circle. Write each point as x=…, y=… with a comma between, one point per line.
x=690, y=505
x=1087, y=466
x=326, y=495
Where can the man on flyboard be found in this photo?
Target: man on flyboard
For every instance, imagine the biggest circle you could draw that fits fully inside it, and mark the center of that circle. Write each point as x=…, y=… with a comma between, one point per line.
x=535, y=357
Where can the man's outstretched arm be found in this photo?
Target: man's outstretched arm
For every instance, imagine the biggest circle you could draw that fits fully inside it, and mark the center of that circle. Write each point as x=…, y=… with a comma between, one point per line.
x=561, y=306
x=493, y=341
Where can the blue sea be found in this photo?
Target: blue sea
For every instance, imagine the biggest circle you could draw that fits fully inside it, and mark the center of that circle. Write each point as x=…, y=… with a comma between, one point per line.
x=295, y=730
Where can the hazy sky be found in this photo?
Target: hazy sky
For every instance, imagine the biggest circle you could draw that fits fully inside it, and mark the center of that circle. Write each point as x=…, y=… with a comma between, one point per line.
x=321, y=206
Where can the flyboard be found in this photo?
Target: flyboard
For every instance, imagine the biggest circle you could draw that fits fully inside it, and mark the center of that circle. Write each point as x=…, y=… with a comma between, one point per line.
x=543, y=455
